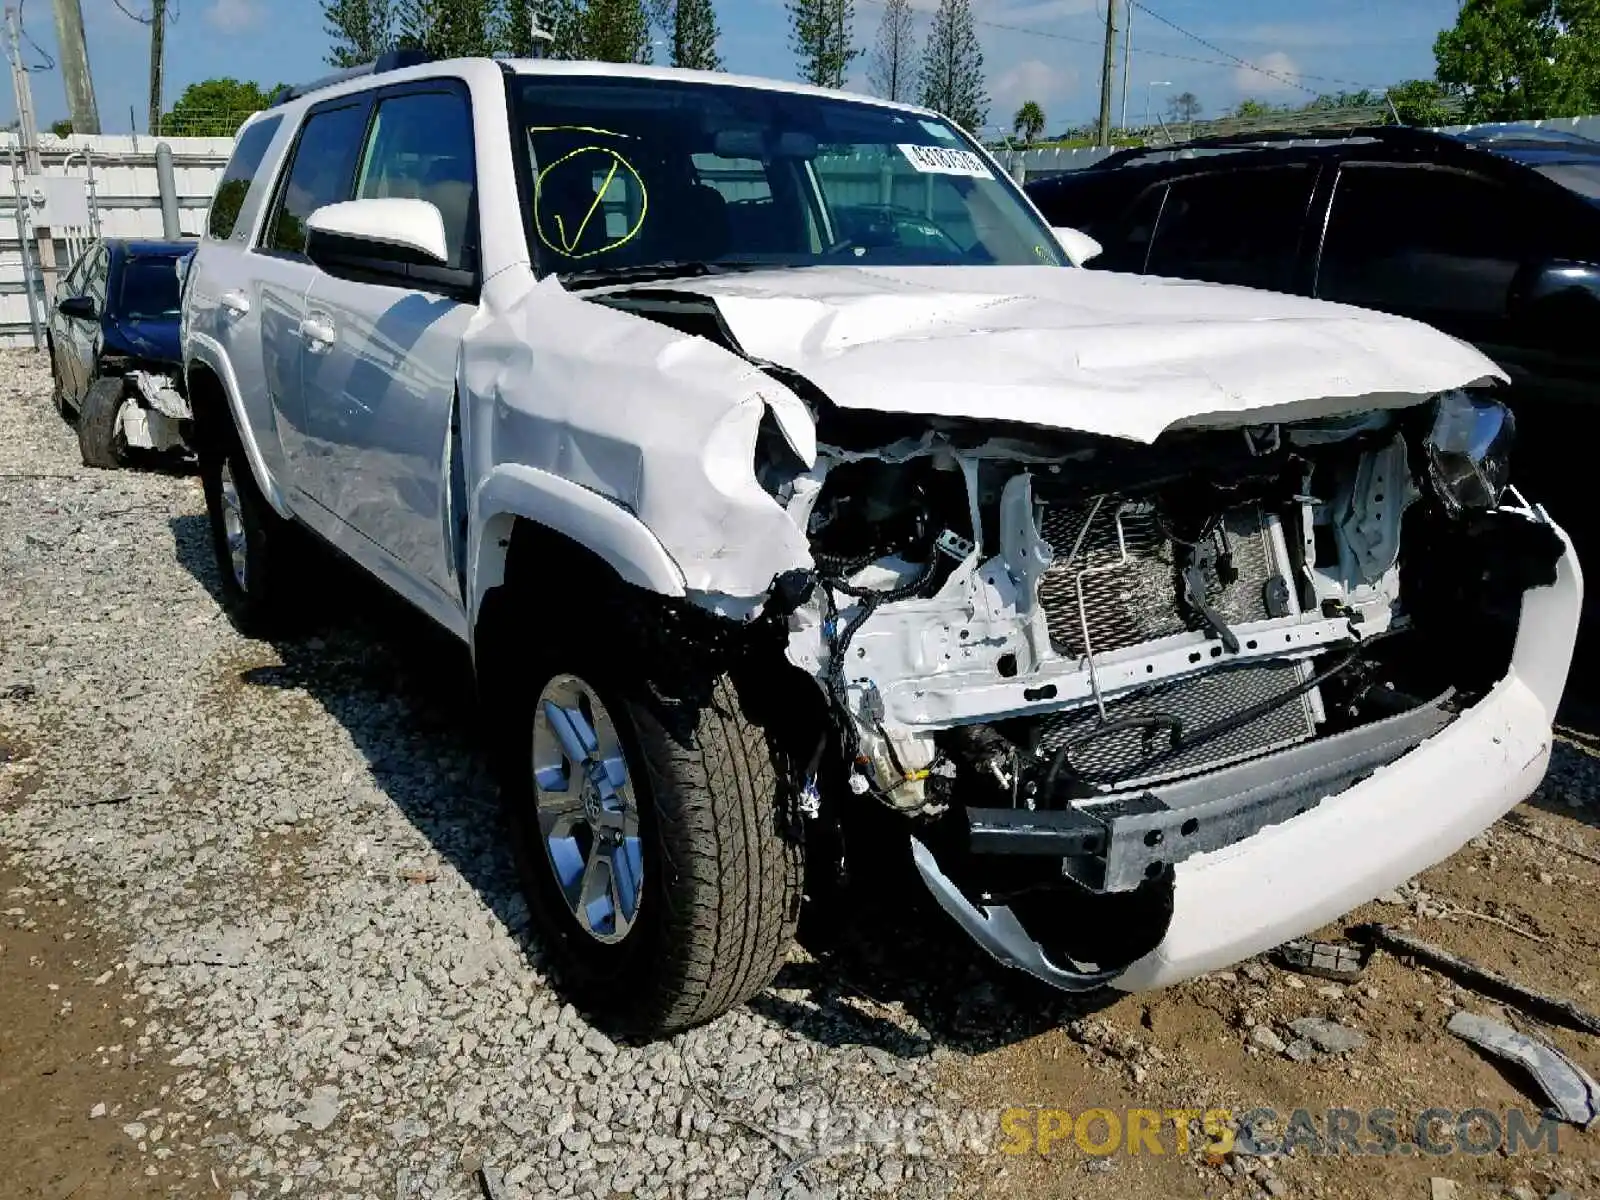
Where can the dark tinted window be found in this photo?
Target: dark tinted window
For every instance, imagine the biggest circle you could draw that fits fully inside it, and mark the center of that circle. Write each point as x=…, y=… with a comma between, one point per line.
x=421, y=149
x=241, y=172
x=1234, y=227
x=149, y=288
x=94, y=279
x=1422, y=239
x=323, y=167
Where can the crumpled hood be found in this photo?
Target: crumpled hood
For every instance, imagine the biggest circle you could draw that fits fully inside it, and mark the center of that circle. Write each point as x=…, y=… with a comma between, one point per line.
x=1125, y=356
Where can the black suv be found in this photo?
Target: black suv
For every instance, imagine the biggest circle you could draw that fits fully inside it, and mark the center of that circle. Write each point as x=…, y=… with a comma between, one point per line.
x=1492, y=235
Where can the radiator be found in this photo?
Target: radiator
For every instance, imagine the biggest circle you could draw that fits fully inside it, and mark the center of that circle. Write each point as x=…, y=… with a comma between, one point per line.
x=1115, y=576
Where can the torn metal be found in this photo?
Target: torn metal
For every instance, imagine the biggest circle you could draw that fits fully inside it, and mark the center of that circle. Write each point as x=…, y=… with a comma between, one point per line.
x=153, y=415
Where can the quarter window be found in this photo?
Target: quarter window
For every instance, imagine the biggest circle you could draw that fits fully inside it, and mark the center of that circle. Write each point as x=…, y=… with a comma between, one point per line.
x=321, y=173
x=1234, y=227
x=421, y=149
x=1429, y=240
x=239, y=175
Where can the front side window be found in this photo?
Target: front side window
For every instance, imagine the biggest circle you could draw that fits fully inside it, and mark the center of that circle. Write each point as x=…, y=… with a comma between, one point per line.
x=150, y=288
x=1240, y=227
x=421, y=149
x=1422, y=240
x=94, y=280
x=321, y=173
x=635, y=174
x=239, y=175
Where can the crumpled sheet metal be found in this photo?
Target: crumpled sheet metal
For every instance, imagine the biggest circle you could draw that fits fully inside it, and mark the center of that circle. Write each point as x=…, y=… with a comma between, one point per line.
x=160, y=393
x=1124, y=356
x=661, y=423
x=1573, y=1095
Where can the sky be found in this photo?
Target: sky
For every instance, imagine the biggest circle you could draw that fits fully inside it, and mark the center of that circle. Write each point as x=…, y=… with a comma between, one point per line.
x=1043, y=50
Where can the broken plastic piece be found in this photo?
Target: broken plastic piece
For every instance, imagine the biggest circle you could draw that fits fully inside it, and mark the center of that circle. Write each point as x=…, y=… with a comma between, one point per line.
x=1574, y=1096
x=1325, y=960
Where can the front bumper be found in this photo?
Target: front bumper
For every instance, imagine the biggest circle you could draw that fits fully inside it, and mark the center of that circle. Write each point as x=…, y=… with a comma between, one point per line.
x=1292, y=877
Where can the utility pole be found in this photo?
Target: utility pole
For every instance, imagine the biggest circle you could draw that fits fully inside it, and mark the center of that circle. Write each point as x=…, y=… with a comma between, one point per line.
x=158, y=36
x=27, y=125
x=1107, y=70
x=1127, y=57
x=75, y=66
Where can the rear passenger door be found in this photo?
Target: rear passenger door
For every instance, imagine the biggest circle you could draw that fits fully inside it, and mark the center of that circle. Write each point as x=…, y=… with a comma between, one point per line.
x=1236, y=226
x=380, y=359
x=320, y=171
x=1435, y=243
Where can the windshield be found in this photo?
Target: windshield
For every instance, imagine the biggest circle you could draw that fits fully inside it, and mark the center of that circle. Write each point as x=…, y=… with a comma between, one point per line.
x=631, y=174
x=150, y=288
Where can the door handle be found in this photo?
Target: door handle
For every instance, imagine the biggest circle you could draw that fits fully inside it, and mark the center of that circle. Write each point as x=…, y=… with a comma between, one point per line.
x=318, y=334
x=236, y=303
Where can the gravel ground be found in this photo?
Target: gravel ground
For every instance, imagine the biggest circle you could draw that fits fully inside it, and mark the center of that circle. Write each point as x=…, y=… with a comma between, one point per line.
x=259, y=936
x=326, y=956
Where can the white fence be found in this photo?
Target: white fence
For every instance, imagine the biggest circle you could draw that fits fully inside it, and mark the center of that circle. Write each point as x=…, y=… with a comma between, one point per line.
x=118, y=177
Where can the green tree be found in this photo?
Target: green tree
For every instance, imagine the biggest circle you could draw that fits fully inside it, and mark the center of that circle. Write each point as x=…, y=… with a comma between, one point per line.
x=891, y=69
x=1512, y=60
x=62, y=128
x=561, y=19
x=821, y=33
x=1419, y=102
x=691, y=29
x=448, y=28
x=361, y=30
x=216, y=107
x=952, y=67
x=616, y=31
x=1184, y=108
x=1029, y=122
x=1255, y=108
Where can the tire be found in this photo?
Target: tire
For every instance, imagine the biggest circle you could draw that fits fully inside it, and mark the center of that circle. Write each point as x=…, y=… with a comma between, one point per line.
x=258, y=552
x=100, y=438
x=722, y=870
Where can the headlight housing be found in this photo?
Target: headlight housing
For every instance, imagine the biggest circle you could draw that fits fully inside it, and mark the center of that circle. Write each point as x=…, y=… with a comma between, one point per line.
x=1469, y=451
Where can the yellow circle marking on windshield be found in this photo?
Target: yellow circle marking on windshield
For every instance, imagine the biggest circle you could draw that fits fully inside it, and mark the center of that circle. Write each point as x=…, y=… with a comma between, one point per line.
x=567, y=243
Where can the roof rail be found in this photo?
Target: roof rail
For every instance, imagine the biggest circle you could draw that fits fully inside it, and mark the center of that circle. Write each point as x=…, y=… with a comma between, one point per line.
x=391, y=60
x=1247, y=141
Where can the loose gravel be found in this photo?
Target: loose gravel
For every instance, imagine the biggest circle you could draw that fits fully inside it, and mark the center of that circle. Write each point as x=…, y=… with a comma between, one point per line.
x=299, y=847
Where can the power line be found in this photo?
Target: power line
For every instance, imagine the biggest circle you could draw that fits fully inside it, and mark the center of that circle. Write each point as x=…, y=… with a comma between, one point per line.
x=1281, y=77
x=1229, y=60
x=49, y=63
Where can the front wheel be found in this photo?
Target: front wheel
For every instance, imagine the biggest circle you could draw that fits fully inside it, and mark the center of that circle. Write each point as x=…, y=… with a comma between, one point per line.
x=100, y=438
x=652, y=843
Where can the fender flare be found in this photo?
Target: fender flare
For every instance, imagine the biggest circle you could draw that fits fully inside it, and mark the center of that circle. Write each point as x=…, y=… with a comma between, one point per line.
x=601, y=525
x=202, y=348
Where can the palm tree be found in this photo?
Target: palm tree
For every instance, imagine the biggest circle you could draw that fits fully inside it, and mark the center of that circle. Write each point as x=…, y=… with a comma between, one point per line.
x=1029, y=122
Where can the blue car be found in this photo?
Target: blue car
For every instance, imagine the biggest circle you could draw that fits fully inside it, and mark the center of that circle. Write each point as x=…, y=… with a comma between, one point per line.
x=113, y=340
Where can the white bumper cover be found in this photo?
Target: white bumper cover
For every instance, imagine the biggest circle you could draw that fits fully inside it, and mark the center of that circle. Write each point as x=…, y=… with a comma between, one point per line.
x=1292, y=878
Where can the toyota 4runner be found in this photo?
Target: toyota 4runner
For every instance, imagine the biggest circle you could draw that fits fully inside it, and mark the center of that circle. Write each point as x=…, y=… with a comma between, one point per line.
x=778, y=467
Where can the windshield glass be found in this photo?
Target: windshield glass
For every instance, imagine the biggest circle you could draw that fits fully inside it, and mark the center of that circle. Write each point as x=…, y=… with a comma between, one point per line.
x=150, y=288
x=628, y=174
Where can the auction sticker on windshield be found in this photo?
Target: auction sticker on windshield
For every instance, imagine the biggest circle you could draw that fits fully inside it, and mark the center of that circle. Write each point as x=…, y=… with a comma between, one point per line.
x=938, y=160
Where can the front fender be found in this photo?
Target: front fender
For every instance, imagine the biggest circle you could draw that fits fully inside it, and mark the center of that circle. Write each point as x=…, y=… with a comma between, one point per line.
x=512, y=490
x=205, y=349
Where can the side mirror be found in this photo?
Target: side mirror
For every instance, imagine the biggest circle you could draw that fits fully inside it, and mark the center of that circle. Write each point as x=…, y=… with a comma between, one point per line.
x=376, y=234
x=1080, y=247
x=78, y=308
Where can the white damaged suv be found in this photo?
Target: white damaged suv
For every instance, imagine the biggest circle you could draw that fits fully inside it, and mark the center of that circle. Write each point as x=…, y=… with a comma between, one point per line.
x=778, y=467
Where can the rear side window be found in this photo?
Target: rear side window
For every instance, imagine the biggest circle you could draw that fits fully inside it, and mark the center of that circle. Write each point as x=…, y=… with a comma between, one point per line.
x=323, y=169
x=421, y=149
x=1423, y=240
x=1238, y=227
x=240, y=174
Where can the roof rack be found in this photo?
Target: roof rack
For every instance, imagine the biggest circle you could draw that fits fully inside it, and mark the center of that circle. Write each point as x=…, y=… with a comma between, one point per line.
x=1248, y=141
x=392, y=60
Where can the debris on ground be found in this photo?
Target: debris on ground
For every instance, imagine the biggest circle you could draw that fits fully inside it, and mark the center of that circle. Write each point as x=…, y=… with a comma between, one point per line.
x=1341, y=961
x=1574, y=1095
x=1480, y=978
